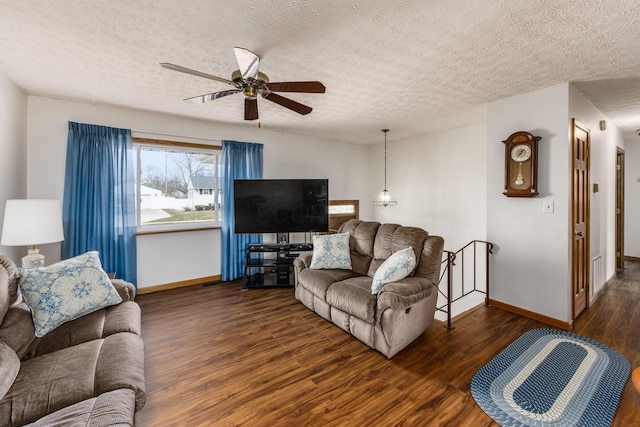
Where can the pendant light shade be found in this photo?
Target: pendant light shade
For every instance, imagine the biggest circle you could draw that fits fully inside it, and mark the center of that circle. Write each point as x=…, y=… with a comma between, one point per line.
x=385, y=198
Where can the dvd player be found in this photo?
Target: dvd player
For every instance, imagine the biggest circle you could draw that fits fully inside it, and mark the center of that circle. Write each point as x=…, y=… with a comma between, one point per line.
x=271, y=247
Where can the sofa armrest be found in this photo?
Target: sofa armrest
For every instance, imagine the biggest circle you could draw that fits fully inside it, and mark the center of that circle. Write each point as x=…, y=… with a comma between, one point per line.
x=404, y=293
x=126, y=290
x=302, y=262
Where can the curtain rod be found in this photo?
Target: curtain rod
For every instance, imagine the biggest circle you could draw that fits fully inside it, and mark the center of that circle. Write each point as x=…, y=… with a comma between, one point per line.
x=175, y=135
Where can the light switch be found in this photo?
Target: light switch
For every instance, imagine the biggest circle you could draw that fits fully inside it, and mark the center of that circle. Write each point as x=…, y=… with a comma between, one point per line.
x=547, y=206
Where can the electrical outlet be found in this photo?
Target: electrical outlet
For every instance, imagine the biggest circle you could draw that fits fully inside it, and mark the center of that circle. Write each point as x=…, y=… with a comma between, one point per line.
x=547, y=206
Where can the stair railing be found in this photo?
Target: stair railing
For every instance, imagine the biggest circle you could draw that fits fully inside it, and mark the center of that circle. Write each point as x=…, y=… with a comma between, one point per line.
x=450, y=265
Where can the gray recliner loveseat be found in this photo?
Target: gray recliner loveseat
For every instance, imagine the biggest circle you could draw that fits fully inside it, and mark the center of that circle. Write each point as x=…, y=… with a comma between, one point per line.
x=402, y=310
x=86, y=372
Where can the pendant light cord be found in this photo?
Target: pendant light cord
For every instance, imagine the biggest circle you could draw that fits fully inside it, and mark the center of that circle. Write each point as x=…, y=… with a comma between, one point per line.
x=385, y=157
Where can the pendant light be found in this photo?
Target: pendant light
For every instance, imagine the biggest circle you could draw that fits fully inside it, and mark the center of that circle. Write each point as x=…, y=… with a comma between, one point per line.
x=385, y=198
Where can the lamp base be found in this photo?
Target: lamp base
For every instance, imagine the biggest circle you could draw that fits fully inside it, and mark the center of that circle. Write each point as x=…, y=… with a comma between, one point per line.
x=34, y=259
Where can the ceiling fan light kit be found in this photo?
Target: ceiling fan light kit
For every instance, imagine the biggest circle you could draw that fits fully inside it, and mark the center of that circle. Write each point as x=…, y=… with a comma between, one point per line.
x=253, y=83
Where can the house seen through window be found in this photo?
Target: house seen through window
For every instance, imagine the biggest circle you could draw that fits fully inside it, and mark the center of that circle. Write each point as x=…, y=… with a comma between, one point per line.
x=177, y=185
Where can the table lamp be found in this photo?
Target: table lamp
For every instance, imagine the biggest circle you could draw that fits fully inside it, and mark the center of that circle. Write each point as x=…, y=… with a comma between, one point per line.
x=31, y=222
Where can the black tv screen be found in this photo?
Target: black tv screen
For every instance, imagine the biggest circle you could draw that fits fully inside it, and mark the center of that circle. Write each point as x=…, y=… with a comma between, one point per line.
x=281, y=205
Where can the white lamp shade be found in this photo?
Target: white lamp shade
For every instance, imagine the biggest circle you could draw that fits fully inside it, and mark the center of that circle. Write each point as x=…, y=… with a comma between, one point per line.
x=30, y=222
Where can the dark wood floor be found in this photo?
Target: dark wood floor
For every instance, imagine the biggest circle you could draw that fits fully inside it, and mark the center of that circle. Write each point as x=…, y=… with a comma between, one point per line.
x=217, y=356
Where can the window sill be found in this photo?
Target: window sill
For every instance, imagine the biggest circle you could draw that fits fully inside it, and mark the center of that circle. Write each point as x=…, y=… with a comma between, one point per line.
x=163, y=230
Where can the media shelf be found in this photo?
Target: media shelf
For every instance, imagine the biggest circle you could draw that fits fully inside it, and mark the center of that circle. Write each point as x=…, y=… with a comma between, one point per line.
x=271, y=265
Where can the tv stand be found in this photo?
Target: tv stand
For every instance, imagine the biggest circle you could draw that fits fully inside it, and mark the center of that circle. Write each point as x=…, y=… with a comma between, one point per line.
x=273, y=270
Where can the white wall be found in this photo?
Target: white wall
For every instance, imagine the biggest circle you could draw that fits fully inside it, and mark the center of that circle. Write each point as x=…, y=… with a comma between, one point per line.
x=176, y=257
x=530, y=268
x=632, y=198
x=13, y=153
x=440, y=182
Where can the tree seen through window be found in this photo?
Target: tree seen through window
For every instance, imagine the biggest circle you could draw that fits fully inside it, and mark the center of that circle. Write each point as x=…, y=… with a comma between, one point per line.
x=177, y=185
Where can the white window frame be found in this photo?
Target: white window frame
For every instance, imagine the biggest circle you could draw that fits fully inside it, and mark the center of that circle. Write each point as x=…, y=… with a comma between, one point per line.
x=175, y=146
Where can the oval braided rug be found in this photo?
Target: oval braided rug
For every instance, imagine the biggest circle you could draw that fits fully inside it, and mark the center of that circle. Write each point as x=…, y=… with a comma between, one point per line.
x=549, y=377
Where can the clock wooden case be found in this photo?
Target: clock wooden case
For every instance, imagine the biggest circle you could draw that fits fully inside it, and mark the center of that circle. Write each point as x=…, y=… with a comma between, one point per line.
x=521, y=165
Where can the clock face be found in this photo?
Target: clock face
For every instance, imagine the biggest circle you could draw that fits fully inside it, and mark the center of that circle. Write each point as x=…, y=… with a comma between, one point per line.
x=521, y=153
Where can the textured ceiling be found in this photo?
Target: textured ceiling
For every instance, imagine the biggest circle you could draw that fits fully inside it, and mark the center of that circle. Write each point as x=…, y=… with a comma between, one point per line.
x=414, y=66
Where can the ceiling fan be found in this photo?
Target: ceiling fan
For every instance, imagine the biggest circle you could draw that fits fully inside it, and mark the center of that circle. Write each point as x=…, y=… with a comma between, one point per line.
x=252, y=83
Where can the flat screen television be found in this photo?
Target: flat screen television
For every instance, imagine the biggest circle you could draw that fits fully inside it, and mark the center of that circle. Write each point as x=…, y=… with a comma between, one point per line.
x=281, y=205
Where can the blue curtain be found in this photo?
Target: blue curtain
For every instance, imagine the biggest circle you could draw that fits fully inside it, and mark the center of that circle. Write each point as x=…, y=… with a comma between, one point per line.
x=240, y=160
x=98, y=210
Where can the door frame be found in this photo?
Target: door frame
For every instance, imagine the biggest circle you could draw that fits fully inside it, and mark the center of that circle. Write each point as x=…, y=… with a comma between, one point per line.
x=587, y=229
x=619, y=209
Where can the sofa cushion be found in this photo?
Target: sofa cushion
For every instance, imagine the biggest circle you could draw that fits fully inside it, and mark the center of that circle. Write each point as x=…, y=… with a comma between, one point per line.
x=318, y=281
x=4, y=293
x=353, y=296
x=66, y=290
x=17, y=329
x=51, y=382
x=392, y=238
x=9, y=368
x=331, y=251
x=396, y=267
x=14, y=293
x=123, y=317
x=413, y=237
x=55, y=380
x=363, y=234
x=115, y=408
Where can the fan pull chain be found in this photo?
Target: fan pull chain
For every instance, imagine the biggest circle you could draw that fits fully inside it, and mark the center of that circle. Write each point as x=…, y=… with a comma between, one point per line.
x=259, y=102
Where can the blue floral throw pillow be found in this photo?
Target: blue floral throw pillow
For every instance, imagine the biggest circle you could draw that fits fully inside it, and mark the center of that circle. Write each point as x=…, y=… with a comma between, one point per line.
x=66, y=291
x=331, y=251
x=396, y=267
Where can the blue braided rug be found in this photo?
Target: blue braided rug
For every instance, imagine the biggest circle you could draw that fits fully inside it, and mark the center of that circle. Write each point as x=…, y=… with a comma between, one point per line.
x=549, y=377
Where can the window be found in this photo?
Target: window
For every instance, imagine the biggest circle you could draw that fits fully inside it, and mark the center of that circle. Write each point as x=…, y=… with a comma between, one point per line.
x=177, y=185
x=341, y=211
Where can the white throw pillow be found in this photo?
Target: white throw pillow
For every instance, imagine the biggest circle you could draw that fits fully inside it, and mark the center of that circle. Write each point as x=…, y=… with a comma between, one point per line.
x=396, y=267
x=331, y=251
x=66, y=291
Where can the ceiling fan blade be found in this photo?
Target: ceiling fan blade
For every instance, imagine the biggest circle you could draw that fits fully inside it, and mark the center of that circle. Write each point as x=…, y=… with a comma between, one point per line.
x=194, y=73
x=248, y=62
x=306, y=87
x=211, y=96
x=250, y=109
x=288, y=103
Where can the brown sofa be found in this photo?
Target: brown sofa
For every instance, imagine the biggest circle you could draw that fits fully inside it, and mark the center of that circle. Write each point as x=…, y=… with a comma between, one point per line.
x=401, y=311
x=86, y=372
